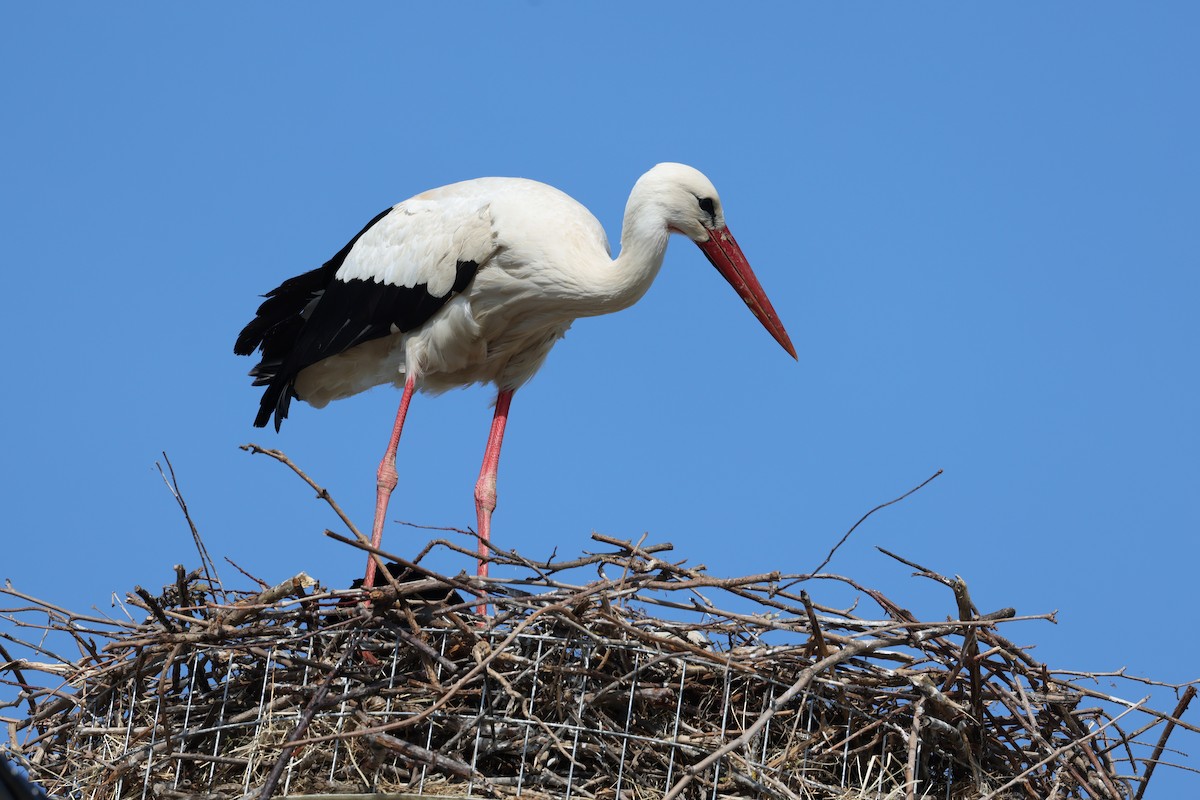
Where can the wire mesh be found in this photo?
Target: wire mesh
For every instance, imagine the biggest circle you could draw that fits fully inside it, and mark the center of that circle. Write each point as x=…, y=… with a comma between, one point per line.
x=573, y=691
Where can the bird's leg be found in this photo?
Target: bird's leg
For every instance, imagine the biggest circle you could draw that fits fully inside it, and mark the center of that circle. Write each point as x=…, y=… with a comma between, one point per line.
x=485, y=488
x=386, y=480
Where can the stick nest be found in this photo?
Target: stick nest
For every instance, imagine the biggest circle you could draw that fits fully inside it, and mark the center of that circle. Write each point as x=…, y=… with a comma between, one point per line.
x=732, y=687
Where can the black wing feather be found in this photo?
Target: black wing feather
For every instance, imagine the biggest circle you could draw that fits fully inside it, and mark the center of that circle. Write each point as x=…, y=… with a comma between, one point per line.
x=284, y=303
x=313, y=316
x=356, y=311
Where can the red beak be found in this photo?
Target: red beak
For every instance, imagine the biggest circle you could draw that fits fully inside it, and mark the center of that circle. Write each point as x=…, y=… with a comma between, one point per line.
x=723, y=251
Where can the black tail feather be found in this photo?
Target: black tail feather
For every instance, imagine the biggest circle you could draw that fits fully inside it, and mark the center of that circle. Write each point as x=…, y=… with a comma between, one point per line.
x=278, y=319
x=273, y=332
x=275, y=400
x=276, y=327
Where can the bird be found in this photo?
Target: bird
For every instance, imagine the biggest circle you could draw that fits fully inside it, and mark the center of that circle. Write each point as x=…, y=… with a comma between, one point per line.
x=474, y=283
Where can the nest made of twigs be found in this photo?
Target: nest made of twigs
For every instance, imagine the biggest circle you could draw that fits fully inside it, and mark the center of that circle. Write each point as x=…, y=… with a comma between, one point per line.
x=564, y=689
x=656, y=680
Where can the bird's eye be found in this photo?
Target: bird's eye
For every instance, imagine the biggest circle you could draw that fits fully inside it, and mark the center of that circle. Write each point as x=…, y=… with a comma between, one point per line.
x=706, y=205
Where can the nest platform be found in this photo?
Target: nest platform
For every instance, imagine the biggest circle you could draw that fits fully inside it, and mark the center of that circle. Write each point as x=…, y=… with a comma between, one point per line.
x=650, y=680
x=561, y=690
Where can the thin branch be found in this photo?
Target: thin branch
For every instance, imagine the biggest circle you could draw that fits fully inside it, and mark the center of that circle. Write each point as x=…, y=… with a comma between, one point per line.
x=1188, y=694
x=172, y=484
x=322, y=494
x=863, y=519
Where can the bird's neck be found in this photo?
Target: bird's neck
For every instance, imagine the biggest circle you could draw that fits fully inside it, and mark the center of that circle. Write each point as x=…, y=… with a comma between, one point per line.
x=620, y=283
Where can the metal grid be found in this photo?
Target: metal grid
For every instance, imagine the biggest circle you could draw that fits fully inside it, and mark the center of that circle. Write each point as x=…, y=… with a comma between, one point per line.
x=546, y=732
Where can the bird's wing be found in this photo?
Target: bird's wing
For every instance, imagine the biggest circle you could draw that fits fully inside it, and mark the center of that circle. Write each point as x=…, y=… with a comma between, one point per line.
x=399, y=271
x=421, y=242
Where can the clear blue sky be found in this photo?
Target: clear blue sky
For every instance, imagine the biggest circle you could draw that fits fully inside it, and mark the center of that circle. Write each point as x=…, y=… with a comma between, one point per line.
x=978, y=222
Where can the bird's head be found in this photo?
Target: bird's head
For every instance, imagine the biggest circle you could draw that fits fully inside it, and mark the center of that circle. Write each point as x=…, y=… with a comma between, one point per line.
x=686, y=199
x=689, y=204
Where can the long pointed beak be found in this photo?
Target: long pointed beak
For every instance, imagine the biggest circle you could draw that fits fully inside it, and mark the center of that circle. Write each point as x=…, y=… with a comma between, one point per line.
x=723, y=251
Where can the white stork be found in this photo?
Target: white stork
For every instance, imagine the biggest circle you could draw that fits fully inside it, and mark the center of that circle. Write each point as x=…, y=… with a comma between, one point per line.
x=474, y=283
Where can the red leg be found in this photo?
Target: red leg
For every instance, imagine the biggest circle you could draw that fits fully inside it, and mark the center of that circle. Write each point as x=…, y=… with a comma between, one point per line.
x=485, y=488
x=386, y=480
